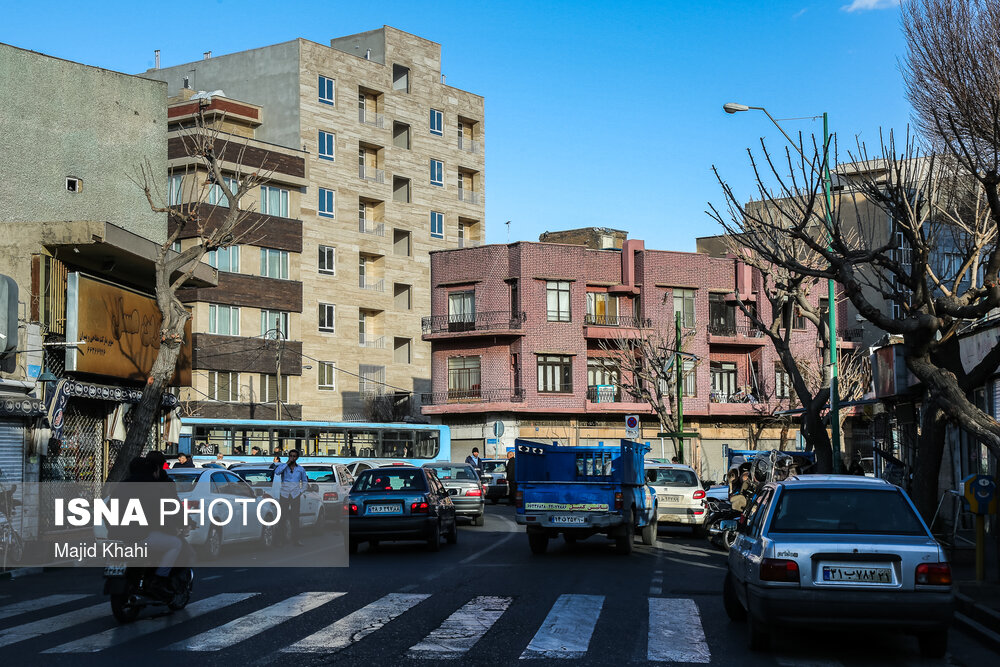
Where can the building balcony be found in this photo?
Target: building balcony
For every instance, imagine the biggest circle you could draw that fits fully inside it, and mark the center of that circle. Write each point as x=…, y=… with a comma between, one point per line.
x=371, y=285
x=611, y=398
x=736, y=334
x=371, y=174
x=604, y=393
x=474, y=395
x=613, y=326
x=742, y=395
x=371, y=118
x=469, y=243
x=468, y=145
x=368, y=340
x=470, y=197
x=472, y=324
x=371, y=227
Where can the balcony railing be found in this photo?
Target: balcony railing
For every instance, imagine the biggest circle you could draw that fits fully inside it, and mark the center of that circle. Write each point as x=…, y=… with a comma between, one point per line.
x=852, y=334
x=616, y=321
x=735, y=330
x=741, y=395
x=371, y=174
x=371, y=118
x=604, y=393
x=480, y=321
x=474, y=395
x=470, y=197
x=371, y=227
x=468, y=243
x=373, y=285
x=367, y=340
x=468, y=145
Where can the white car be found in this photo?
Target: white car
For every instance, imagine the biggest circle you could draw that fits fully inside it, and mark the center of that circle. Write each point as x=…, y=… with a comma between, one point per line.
x=311, y=509
x=334, y=482
x=678, y=494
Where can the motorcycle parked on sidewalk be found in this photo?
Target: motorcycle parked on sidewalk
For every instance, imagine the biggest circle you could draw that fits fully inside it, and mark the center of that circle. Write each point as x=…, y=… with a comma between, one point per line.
x=131, y=589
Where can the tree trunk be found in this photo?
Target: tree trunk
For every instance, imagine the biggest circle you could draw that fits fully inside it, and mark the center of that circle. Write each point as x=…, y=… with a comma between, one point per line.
x=816, y=436
x=930, y=449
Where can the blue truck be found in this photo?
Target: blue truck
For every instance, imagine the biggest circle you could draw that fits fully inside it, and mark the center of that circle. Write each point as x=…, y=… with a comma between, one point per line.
x=583, y=491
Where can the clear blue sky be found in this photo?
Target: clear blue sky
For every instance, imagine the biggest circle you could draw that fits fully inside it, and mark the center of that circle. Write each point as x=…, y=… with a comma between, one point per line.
x=597, y=113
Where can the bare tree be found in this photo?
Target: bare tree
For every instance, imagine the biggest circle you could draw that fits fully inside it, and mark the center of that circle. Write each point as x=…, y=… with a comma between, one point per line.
x=187, y=220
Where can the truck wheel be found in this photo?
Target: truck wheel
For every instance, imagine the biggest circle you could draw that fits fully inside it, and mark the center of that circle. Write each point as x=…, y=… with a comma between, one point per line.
x=649, y=533
x=538, y=542
x=623, y=545
x=734, y=610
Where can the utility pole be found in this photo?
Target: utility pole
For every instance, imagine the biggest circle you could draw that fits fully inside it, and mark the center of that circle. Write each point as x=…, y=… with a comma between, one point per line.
x=277, y=364
x=832, y=302
x=679, y=364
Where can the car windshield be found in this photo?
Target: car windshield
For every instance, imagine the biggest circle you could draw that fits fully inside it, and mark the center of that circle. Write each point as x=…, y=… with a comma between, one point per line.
x=494, y=466
x=671, y=477
x=256, y=477
x=459, y=471
x=390, y=480
x=864, y=511
x=320, y=475
x=184, y=481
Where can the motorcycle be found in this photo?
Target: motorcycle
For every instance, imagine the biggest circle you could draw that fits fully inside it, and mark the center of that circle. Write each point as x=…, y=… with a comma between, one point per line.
x=131, y=590
x=720, y=510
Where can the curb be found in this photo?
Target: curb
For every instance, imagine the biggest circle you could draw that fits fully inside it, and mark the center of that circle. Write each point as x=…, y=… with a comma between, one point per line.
x=978, y=620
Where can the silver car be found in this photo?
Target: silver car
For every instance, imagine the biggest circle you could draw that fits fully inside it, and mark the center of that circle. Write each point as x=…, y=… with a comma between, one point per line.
x=836, y=550
x=465, y=488
x=679, y=494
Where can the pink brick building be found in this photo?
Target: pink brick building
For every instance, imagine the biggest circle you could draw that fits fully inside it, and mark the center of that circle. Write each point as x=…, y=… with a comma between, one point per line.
x=516, y=335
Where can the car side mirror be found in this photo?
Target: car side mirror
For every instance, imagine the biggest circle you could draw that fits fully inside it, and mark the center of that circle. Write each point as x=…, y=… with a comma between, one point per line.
x=313, y=487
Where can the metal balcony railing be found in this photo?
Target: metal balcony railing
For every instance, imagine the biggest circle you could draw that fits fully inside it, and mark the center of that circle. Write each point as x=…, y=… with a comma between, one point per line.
x=371, y=227
x=470, y=197
x=480, y=321
x=604, y=393
x=468, y=145
x=371, y=118
x=474, y=395
x=735, y=330
x=616, y=321
x=371, y=174
x=850, y=335
x=367, y=340
x=742, y=395
x=468, y=243
x=373, y=285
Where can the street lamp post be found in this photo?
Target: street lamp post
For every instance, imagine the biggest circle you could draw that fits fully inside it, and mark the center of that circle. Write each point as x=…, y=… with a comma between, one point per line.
x=732, y=108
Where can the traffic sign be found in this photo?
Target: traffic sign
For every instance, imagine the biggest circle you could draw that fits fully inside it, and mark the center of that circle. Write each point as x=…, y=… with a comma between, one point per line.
x=632, y=426
x=498, y=429
x=980, y=492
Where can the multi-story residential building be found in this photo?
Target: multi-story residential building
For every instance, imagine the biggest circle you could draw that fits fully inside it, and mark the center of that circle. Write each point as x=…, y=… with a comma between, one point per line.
x=523, y=333
x=394, y=170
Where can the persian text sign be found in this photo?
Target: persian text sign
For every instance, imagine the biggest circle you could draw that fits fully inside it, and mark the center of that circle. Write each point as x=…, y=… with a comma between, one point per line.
x=120, y=329
x=567, y=507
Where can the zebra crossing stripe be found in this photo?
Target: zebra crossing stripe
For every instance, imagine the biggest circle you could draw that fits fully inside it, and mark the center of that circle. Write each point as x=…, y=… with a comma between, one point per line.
x=567, y=629
x=675, y=632
x=40, y=603
x=20, y=633
x=248, y=626
x=357, y=625
x=461, y=630
x=122, y=634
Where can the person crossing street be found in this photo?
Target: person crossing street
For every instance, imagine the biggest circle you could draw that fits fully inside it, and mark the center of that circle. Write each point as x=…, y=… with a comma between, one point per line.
x=293, y=482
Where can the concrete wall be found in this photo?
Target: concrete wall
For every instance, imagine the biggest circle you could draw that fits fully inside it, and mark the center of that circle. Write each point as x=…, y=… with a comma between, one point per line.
x=59, y=118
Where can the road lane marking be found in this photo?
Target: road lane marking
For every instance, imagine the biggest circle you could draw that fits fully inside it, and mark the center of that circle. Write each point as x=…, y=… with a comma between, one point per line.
x=124, y=633
x=461, y=630
x=566, y=631
x=695, y=563
x=357, y=625
x=253, y=624
x=53, y=624
x=40, y=603
x=675, y=632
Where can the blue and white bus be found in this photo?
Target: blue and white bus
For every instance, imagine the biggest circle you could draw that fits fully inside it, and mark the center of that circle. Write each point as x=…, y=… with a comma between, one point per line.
x=316, y=441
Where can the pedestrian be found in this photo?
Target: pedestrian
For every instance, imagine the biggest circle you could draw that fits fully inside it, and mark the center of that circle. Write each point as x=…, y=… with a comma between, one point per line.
x=183, y=461
x=219, y=457
x=293, y=482
x=474, y=461
x=255, y=451
x=275, y=462
x=675, y=459
x=511, y=479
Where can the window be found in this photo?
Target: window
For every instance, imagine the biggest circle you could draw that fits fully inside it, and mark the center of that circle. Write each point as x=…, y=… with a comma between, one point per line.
x=401, y=350
x=602, y=371
x=269, y=389
x=690, y=379
x=782, y=381
x=555, y=374
x=462, y=310
x=327, y=201
x=437, y=225
x=401, y=294
x=274, y=201
x=225, y=259
x=328, y=260
x=723, y=380
x=401, y=135
x=401, y=243
x=721, y=316
x=684, y=304
x=326, y=141
x=463, y=377
x=174, y=185
x=327, y=88
x=401, y=189
x=224, y=386
x=437, y=122
x=557, y=300
x=327, y=317
x=217, y=197
x=602, y=309
x=400, y=78
x=274, y=263
x=326, y=376
x=224, y=320
x=371, y=380
x=274, y=324
x=437, y=172
x=176, y=246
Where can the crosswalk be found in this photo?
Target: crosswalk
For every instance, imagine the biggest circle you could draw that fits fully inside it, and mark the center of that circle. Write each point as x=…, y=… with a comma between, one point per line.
x=675, y=632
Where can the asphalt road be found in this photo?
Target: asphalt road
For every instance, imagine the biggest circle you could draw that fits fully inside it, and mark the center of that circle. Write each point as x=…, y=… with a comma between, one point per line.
x=485, y=601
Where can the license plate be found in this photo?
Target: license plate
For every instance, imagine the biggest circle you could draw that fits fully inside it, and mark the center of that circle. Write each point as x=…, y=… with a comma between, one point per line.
x=671, y=499
x=568, y=519
x=114, y=571
x=385, y=509
x=865, y=575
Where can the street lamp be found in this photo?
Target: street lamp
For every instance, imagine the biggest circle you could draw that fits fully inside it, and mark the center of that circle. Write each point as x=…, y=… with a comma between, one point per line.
x=733, y=107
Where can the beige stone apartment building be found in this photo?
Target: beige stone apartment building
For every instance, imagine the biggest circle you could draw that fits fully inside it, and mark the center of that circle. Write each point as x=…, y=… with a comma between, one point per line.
x=394, y=169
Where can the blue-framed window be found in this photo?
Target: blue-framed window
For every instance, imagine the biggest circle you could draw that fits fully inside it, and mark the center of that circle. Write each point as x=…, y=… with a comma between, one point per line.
x=327, y=203
x=326, y=142
x=437, y=172
x=437, y=225
x=327, y=89
x=437, y=122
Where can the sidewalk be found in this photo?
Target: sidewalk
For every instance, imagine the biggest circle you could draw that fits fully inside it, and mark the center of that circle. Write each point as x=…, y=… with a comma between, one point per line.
x=977, y=604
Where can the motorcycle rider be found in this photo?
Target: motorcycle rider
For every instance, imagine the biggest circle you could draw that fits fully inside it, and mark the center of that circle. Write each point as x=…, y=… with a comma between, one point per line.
x=162, y=538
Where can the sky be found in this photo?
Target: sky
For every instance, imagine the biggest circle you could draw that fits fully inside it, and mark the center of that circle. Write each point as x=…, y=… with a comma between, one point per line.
x=603, y=114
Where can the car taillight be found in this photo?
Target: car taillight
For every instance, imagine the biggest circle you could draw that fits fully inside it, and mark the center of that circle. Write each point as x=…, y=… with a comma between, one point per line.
x=519, y=499
x=352, y=509
x=934, y=574
x=501, y=481
x=698, y=495
x=331, y=495
x=778, y=569
x=192, y=504
x=420, y=508
x=618, y=500
x=474, y=492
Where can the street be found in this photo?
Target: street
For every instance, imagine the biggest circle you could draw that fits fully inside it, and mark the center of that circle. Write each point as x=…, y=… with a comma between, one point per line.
x=485, y=601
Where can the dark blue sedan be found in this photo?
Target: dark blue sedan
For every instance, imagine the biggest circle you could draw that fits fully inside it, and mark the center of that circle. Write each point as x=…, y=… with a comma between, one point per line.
x=400, y=503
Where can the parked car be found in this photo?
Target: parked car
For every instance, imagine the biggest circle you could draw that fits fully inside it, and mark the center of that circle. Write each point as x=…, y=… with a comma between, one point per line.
x=400, y=503
x=837, y=551
x=465, y=488
x=334, y=482
x=495, y=479
x=312, y=513
x=679, y=494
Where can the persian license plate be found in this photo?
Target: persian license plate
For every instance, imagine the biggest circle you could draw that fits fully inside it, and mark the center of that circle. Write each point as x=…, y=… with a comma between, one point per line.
x=385, y=509
x=114, y=571
x=671, y=499
x=568, y=520
x=864, y=575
